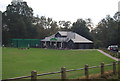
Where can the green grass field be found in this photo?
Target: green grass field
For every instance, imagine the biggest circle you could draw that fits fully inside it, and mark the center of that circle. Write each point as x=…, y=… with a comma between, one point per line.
x=17, y=62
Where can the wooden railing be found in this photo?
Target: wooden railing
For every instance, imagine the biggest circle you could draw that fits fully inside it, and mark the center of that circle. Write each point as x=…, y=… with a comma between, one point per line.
x=63, y=71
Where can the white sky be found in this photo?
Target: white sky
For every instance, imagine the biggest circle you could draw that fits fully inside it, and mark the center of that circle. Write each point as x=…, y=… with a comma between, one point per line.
x=70, y=9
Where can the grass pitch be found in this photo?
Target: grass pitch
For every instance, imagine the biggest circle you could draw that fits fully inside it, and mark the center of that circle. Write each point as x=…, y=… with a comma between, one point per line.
x=17, y=62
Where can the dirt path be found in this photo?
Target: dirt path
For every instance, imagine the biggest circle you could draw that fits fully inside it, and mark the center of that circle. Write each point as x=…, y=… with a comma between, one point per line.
x=108, y=55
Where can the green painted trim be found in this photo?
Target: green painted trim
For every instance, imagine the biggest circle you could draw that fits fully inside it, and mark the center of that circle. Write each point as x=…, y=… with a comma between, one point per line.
x=53, y=39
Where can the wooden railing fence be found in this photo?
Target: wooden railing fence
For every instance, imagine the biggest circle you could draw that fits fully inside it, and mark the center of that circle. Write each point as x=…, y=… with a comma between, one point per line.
x=63, y=71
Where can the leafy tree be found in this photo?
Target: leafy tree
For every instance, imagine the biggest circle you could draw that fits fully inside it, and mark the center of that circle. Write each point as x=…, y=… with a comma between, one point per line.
x=45, y=26
x=65, y=25
x=89, y=24
x=54, y=27
x=17, y=21
x=80, y=27
x=117, y=26
x=106, y=32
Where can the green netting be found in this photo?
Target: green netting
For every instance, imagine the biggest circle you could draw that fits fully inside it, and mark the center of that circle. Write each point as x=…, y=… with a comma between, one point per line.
x=23, y=43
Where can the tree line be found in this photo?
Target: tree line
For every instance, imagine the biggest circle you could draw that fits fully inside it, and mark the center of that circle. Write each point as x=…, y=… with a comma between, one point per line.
x=19, y=22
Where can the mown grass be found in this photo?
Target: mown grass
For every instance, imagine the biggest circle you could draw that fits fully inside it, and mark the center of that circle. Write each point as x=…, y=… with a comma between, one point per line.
x=17, y=62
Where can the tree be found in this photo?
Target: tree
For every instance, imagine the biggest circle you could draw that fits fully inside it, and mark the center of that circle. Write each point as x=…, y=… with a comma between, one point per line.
x=117, y=27
x=65, y=25
x=106, y=32
x=45, y=26
x=89, y=24
x=17, y=21
x=54, y=27
x=80, y=27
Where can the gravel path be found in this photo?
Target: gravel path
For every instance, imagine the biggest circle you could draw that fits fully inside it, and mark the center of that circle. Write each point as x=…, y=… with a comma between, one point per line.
x=108, y=55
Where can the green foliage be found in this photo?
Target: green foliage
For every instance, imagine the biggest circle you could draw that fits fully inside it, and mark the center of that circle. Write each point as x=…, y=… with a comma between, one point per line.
x=65, y=25
x=107, y=32
x=80, y=27
x=45, y=26
x=17, y=21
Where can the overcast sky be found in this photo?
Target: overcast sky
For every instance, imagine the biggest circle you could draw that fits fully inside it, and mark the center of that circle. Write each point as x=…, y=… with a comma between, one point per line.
x=70, y=9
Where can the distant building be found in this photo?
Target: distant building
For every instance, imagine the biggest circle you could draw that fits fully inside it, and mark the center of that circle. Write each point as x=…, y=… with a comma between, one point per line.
x=67, y=40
